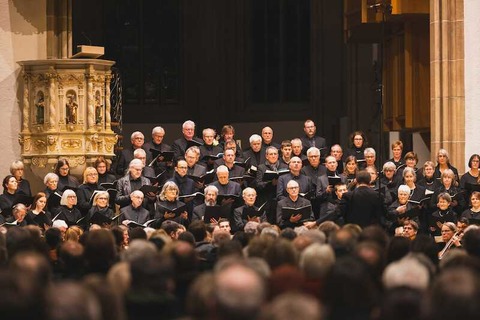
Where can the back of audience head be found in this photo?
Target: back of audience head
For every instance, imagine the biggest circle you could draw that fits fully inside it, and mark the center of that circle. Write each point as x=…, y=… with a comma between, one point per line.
x=406, y=272
x=316, y=260
x=293, y=306
x=100, y=251
x=239, y=292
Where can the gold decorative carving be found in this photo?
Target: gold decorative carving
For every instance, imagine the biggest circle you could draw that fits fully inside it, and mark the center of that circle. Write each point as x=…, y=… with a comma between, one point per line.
x=93, y=143
x=26, y=143
x=52, y=103
x=40, y=162
x=71, y=79
x=90, y=103
x=108, y=118
x=52, y=142
x=26, y=104
x=38, y=80
x=40, y=145
x=110, y=142
x=64, y=104
x=71, y=144
x=76, y=161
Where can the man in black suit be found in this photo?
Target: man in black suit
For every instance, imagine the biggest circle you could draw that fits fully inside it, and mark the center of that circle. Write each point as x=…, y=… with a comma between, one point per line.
x=228, y=161
x=134, y=211
x=310, y=139
x=192, y=155
x=137, y=139
x=325, y=189
x=158, y=133
x=132, y=181
x=255, y=153
x=209, y=148
x=227, y=187
x=293, y=200
x=267, y=137
x=297, y=149
x=267, y=188
x=211, y=193
x=362, y=206
x=147, y=171
x=304, y=182
x=337, y=151
x=314, y=169
x=180, y=145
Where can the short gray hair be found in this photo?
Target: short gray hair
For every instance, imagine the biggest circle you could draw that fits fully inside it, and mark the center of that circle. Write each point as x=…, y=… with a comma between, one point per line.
x=50, y=176
x=408, y=272
x=255, y=137
x=313, y=150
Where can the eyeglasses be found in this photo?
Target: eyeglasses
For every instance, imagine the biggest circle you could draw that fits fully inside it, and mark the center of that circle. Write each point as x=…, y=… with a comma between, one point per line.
x=65, y=168
x=293, y=188
x=102, y=198
x=92, y=174
x=71, y=197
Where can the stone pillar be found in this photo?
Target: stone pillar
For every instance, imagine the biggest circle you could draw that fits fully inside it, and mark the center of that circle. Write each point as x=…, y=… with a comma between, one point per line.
x=472, y=78
x=59, y=29
x=447, y=93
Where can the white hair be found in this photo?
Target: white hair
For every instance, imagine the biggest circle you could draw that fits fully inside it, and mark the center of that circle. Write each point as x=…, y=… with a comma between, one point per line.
x=222, y=168
x=255, y=137
x=188, y=123
x=407, y=272
x=135, y=162
x=158, y=129
x=369, y=150
x=404, y=189
x=135, y=134
x=139, y=152
x=313, y=150
x=389, y=165
x=316, y=260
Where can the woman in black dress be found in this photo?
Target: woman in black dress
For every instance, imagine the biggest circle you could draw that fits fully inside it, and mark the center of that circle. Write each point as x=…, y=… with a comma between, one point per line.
x=17, y=169
x=38, y=215
x=167, y=203
x=100, y=206
x=68, y=211
x=10, y=187
x=62, y=169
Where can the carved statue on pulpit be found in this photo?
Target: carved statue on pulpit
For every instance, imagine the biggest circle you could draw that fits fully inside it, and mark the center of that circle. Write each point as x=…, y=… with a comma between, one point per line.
x=71, y=108
x=98, y=108
x=40, y=108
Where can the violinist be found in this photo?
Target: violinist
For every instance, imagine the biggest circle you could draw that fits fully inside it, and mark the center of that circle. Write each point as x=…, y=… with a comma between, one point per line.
x=450, y=238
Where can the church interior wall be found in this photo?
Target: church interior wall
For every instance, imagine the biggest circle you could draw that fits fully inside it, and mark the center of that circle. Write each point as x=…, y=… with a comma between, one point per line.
x=22, y=37
x=472, y=78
